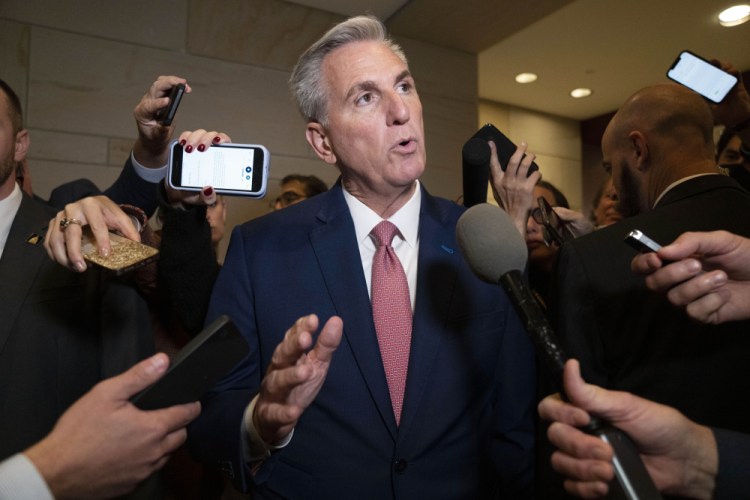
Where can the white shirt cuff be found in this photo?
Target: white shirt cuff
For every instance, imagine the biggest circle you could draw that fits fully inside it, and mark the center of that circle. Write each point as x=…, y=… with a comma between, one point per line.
x=20, y=480
x=254, y=449
x=148, y=174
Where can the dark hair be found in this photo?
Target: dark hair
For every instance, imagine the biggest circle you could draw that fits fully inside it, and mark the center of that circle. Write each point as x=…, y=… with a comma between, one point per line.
x=311, y=184
x=16, y=116
x=724, y=138
x=560, y=199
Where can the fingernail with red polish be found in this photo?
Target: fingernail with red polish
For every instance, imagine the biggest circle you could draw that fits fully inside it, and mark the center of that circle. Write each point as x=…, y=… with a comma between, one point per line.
x=201, y=147
x=208, y=191
x=182, y=142
x=189, y=149
x=217, y=139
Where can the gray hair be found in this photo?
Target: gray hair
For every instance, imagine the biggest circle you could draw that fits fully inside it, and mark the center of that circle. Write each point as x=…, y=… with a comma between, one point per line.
x=307, y=84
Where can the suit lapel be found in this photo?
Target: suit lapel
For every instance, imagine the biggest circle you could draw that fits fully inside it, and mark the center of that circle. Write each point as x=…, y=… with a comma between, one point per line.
x=20, y=263
x=436, y=276
x=337, y=252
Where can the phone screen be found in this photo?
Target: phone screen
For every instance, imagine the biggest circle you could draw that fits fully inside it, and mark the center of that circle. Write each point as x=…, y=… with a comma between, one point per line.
x=234, y=169
x=701, y=76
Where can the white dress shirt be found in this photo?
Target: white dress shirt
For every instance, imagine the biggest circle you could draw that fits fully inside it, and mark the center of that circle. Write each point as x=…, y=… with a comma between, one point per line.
x=20, y=480
x=8, y=210
x=406, y=246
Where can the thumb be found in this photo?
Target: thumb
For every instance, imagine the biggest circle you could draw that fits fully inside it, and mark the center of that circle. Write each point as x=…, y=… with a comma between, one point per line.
x=140, y=376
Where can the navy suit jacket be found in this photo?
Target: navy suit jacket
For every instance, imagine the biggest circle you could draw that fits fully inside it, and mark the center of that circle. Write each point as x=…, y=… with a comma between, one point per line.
x=467, y=423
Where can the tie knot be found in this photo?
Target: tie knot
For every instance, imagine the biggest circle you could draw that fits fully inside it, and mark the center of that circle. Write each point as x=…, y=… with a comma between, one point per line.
x=384, y=233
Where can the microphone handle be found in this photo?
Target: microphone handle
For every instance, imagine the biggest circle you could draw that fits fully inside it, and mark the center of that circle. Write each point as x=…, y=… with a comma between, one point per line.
x=632, y=481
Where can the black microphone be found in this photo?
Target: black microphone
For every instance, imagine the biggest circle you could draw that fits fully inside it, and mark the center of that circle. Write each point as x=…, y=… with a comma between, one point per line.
x=496, y=253
x=476, y=171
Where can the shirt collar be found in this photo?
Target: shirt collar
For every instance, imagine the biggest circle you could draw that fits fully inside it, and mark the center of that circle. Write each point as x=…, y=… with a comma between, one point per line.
x=406, y=218
x=677, y=183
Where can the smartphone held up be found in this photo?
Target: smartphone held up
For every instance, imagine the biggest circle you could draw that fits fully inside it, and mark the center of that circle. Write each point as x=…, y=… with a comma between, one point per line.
x=231, y=169
x=701, y=76
x=166, y=115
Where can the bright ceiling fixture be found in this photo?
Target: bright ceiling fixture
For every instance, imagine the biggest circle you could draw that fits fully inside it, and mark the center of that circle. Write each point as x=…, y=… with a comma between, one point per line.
x=580, y=92
x=734, y=15
x=526, y=77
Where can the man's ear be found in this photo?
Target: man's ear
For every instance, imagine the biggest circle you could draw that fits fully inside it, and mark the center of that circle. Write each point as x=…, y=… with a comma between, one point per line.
x=639, y=150
x=318, y=139
x=21, y=145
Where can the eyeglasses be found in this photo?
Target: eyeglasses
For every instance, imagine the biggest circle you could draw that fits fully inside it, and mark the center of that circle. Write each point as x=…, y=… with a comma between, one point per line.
x=538, y=217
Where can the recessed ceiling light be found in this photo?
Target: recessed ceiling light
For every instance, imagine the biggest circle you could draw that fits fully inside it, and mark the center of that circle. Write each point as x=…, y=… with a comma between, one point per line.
x=526, y=77
x=580, y=92
x=735, y=15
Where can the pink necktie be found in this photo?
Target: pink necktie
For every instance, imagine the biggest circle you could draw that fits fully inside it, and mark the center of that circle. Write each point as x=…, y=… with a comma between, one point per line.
x=391, y=310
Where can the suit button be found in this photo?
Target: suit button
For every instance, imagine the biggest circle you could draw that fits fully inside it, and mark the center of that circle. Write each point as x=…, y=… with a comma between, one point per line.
x=400, y=466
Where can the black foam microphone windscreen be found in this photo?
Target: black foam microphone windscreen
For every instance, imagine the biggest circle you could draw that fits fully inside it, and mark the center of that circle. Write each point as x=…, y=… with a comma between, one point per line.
x=476, y=171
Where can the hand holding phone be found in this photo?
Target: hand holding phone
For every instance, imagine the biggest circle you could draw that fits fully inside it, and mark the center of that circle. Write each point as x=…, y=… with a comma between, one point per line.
x=231, y=169
x=197, y=367
x=505, y=147
x=701, y=76
x=166, y=115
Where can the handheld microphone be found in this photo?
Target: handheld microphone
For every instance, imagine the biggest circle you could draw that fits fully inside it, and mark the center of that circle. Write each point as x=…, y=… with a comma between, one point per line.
x=496, y=253
x=476, y=171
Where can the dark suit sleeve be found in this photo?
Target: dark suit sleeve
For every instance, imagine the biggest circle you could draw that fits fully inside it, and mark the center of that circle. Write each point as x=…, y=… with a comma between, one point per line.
x=131, y=189
x=215, y=436
x=574, y=316
x=733, y=480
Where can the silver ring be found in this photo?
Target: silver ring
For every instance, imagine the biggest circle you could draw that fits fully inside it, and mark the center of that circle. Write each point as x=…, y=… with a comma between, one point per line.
x=65, y=222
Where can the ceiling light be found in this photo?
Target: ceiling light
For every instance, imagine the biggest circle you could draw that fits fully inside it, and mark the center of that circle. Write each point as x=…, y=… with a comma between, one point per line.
x=580, y=92
x=735, y=15
x=526, y=77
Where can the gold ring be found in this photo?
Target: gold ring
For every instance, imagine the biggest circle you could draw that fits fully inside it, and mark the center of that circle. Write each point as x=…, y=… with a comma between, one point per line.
x=65, y=222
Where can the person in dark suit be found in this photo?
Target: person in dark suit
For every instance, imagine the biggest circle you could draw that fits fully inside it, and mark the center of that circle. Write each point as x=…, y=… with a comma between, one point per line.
x=707, y=274
x=659, y=149
x=465, y=424
x=61, y=332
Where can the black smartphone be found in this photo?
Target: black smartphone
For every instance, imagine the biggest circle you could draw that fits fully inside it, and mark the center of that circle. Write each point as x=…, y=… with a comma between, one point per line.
x=699, y=75
x=557, y=230
x=166, y=115
x=641, y=242
x=231, y=169
x=197, y=367
x=505, y=147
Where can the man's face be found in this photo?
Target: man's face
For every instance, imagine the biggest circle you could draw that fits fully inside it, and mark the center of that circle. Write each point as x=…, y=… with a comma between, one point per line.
x=626, y=178
x=292, y=192
x=731, y=154
x=375, y=127
x=7, y=142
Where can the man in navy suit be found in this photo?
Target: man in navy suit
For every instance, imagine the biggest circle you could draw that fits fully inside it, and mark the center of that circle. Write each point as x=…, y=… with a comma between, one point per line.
x=307, y=417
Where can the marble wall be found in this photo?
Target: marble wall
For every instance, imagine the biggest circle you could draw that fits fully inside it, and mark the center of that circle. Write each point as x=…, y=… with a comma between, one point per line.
x=81, y=66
